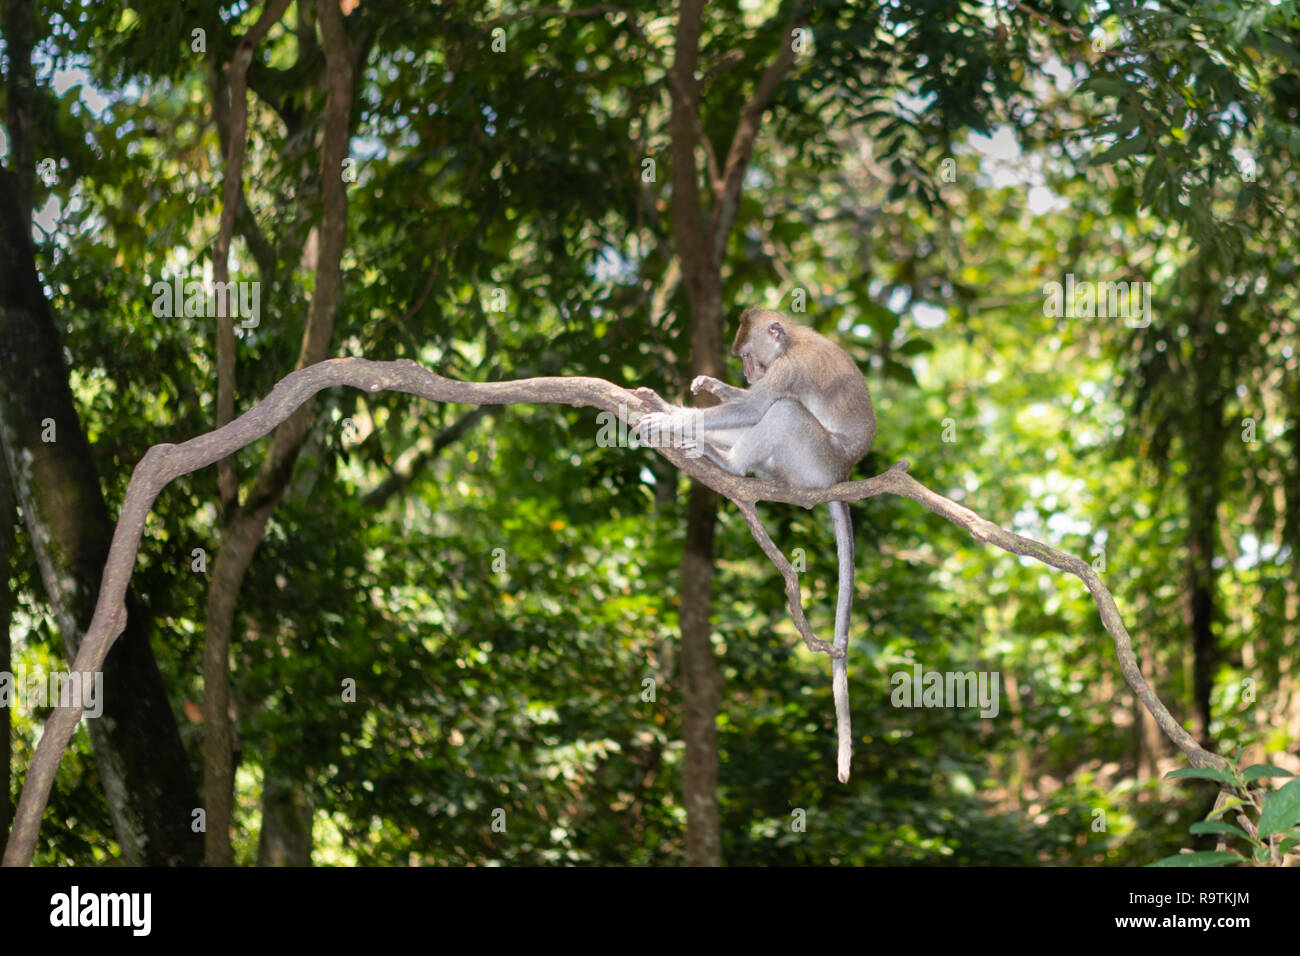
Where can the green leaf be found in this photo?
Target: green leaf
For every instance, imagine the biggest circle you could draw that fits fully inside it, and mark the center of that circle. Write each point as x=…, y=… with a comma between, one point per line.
x=1212, y=858
x=1125, y=147
x=1257, y=770
x=883, y=321
x=1106, y=85
x=915, y=346
x=1280, y=46
x=898, y=372
x=1281, y=810
x=1202, y=773
x=1217, y=827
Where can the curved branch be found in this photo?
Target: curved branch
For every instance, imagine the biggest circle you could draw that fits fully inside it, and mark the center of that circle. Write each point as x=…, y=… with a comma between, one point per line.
x=164, y=463
x=793, y=598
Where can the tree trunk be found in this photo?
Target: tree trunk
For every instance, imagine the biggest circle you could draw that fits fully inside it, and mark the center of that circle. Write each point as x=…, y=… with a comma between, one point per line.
x=20, y=83
x=702, y=690
x=241, y=537
x=1199, y=595
x=286, y=820
x=1204, y=450
x=7, y=518
x=145, y=771
x=701, y=675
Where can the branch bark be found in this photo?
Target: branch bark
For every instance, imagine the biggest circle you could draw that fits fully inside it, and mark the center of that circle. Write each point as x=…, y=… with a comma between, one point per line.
x=232, y=196
x=164, y=463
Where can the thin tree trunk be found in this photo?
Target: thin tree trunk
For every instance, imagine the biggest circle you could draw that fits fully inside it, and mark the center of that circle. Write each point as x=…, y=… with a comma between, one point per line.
x=242, y=536
x=701, y=250
x=1199, y=596
x=286, y=820
x=702, y=680
x=1204, y=449
x=1150, y=742
x=20, y=83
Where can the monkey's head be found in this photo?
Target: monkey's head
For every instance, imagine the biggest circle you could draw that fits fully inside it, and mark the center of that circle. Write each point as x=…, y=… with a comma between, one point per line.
x=761, y=339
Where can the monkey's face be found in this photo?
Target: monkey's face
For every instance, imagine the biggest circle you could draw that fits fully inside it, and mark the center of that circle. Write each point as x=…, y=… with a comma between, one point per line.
x=760, y=340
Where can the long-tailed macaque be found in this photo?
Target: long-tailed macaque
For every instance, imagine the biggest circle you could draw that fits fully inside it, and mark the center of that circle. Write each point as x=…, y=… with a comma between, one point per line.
x=806, y=419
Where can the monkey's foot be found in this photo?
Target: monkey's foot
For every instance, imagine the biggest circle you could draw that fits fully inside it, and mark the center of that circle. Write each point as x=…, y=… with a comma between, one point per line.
x=658, y=429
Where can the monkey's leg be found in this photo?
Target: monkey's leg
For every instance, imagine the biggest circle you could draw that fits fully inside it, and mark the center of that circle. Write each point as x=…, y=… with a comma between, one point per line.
x=790, y=445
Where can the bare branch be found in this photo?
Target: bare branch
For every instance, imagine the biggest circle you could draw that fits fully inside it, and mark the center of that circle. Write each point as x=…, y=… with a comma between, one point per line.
x=680, y=94
x=232, y=194
x=742, y=144
x=162, y=464
x=792, y=596
x=1074, y=32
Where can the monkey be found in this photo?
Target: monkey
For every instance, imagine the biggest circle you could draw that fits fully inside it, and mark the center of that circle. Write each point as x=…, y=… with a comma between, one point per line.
x=805, y=420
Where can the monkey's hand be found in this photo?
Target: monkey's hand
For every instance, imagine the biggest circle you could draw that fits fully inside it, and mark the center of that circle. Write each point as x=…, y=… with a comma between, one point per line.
x=719, y=390
x=706, y=383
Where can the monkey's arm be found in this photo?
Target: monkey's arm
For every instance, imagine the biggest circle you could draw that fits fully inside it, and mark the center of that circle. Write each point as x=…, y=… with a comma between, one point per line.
x=746, y=409
x=717, y=425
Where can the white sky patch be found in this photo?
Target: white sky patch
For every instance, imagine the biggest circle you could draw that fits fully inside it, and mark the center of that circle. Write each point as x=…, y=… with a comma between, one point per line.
x=1062, y=76
x=94, y=100
x=49, y=215
x=1255, y=553
x=928, y=316
x=1004, y=164
x=1062, y=525
x=1245, y=160
x=612, y=266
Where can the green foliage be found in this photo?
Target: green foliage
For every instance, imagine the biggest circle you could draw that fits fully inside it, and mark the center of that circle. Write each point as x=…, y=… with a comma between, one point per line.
x=500, y=607
x=1273, y=818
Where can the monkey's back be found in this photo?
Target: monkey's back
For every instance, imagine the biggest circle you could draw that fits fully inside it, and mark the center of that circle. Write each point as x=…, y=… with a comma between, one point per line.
x=831, y=386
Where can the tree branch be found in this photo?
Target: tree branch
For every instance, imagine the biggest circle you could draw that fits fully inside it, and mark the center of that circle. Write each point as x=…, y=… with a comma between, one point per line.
x=232, y=195
x=742, y=143
x=164, y=463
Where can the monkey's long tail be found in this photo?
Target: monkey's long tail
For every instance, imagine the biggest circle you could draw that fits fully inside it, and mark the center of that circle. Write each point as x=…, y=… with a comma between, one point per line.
x=843, y=607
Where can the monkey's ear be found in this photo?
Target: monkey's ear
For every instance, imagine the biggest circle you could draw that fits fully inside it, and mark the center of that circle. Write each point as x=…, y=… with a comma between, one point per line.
x=777, y=331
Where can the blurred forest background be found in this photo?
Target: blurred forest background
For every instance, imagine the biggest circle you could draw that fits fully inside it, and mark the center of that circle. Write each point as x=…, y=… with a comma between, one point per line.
x=499, y=190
